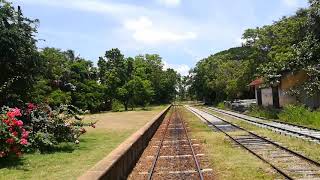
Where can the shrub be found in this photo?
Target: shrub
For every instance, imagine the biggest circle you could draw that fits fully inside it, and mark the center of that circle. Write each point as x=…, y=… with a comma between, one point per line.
x=221, y=105
x=299, y=114
x=51, y=127
x=266, y=112
x=58, y=97
x=13, y=135
x=117, y=106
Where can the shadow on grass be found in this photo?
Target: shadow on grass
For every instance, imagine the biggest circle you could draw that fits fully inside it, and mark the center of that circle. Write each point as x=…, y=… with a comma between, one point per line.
x=63, y=148
x=12, y=162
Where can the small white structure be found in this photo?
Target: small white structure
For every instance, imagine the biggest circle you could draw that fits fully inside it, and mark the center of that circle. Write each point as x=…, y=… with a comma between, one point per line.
x=277, y=96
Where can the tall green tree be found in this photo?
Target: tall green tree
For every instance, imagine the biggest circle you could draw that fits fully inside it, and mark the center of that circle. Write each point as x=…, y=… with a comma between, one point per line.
x=19, y=59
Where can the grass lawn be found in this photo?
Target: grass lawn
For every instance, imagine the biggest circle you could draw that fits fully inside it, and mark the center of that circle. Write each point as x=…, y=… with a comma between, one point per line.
x=228, y=161
x=70, y=161
x=307, y=148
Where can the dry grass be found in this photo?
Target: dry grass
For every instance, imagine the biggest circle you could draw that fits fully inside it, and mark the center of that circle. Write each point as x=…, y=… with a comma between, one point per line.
x=228, y=161
x=307, y=148
x=130, y=120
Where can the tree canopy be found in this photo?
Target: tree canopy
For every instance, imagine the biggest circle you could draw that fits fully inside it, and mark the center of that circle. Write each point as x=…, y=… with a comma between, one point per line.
x=56, y=77
x=290, y=44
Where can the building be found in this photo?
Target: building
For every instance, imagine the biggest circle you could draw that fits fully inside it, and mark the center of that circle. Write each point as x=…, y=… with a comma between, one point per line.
x=277, y=96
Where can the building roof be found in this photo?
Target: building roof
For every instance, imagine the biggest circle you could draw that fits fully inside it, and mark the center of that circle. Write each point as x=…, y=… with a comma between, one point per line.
x=256, y=82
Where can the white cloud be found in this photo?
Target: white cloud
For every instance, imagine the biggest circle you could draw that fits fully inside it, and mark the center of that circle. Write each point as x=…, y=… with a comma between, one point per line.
x=170, y=3
x=167, y=29
x=291, y=3
x=144, y=30
x=183, y=69
x=97, y=6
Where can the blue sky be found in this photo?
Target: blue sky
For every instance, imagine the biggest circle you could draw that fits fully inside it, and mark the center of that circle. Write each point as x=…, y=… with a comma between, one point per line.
x=181, y=31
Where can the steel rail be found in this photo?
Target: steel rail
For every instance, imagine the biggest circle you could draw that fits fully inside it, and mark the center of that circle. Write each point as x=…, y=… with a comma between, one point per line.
x=257, y=136
x=273, y=126
x=190, y=144
x=273, y=143
x=160, y=146
x=263, y=118
x=252, y=152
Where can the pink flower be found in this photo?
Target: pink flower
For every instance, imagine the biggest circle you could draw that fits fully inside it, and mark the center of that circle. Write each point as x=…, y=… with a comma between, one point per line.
x=17, y=112
x=83, y=130
x=10, y=141
x=31, y=106
x=2, y=154
x=25, y=134
x=19, y=123
x=15, y=133
x=93, y=125
x=14, y=112
x=23, y=142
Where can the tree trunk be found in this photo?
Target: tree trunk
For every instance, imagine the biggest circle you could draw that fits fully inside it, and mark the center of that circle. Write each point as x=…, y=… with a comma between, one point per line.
x=126, y=106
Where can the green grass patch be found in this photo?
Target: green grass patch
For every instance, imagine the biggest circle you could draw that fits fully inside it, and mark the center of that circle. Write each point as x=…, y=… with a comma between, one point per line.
x=68, y=162
x=227, y=161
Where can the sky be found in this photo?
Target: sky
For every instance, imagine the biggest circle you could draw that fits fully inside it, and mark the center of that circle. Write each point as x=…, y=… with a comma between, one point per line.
x=182, y=32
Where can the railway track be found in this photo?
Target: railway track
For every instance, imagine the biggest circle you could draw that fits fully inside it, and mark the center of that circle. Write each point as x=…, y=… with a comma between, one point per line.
x=288, y=163
x=171, y=154
x=305, y=133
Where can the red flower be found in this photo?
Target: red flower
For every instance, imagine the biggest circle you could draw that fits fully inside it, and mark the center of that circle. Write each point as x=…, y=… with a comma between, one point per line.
x=6, y=121
x=14, y=112
x=25, y=134
x=11, y=114
x=15, y=133
x=23, y=142
x=10, y=141
x=19, y=123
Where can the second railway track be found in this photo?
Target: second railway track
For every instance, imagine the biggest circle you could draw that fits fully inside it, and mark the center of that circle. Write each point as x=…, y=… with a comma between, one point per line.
x=285, y=128
x=288, y=163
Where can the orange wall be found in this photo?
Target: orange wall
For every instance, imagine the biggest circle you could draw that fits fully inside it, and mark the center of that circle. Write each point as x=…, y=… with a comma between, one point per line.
x=292, y=80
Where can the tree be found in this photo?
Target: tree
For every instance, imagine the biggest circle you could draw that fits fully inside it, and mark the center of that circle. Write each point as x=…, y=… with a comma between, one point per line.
x=19, y=59
x=142, y=91
x=224, y=75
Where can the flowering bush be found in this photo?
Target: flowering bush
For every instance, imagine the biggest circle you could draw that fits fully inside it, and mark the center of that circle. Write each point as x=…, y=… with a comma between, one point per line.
x=38, y=128
x=51, y=127
x=13, y=135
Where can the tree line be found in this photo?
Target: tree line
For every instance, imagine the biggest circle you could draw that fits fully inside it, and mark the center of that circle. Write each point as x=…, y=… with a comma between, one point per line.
x=290, y=44
x=55, y=77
